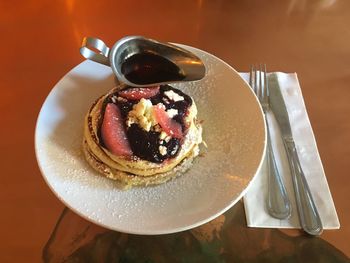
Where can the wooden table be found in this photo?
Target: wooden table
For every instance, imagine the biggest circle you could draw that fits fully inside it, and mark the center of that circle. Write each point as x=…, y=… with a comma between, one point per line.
x=40, y=42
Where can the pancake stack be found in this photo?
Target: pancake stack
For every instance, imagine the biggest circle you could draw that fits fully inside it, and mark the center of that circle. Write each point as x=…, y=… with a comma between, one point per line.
x=142, y=136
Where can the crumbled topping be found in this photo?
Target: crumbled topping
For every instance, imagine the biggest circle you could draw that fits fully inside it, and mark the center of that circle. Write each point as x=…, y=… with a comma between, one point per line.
x=165, y=100
x=121, y=99
x=142, y=114
x=173, y=95
x=162, y=135
x=162, y=150
x=172, y=112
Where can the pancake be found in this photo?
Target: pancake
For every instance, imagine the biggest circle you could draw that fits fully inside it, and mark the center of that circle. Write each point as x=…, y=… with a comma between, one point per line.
x=142, y=136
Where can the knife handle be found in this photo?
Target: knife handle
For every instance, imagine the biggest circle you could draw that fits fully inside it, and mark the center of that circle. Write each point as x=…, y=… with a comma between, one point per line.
x=309, y=218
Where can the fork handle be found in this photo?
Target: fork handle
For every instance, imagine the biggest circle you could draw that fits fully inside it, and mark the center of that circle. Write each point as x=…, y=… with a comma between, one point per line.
x=278, y=203
x=308, y=215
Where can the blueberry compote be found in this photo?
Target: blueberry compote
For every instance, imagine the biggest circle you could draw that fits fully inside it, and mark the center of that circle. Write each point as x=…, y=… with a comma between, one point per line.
x=145, y=145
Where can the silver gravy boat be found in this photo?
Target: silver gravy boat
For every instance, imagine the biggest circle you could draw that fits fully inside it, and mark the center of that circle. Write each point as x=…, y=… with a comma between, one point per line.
x=138, y=61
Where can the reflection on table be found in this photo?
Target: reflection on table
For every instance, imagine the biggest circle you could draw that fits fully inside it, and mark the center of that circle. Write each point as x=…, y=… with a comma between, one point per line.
x=225, y=239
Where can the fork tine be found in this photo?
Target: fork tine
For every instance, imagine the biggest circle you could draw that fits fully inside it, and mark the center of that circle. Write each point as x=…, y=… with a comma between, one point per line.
x=260, y=91
x=256, y=81
x=264, y=93
x=251, y=76
x=266, y=83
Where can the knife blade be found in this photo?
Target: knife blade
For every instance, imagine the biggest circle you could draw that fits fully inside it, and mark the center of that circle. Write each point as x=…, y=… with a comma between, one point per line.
x=309, y=217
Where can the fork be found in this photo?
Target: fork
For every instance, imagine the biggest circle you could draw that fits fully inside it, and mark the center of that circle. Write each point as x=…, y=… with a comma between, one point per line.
x=278, y=204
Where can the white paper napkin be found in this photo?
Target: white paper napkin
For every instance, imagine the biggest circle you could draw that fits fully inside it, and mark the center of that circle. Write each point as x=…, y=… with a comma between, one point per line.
x=255, y=198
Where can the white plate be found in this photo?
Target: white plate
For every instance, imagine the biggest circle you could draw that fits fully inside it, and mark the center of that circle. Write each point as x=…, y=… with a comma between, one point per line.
x=234, y=131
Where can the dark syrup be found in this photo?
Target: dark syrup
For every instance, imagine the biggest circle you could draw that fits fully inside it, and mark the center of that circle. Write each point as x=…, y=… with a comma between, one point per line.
x=148, y=68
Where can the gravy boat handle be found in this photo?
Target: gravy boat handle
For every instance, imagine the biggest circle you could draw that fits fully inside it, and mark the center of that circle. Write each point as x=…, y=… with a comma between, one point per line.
x=90, y=43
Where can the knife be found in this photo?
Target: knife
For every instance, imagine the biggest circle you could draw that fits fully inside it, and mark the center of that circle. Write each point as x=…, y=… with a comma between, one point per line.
x=308, y=215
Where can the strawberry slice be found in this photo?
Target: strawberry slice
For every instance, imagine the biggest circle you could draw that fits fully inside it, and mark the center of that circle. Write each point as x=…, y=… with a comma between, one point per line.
x=170, y=126
x=113, y=132
x=139, y=93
